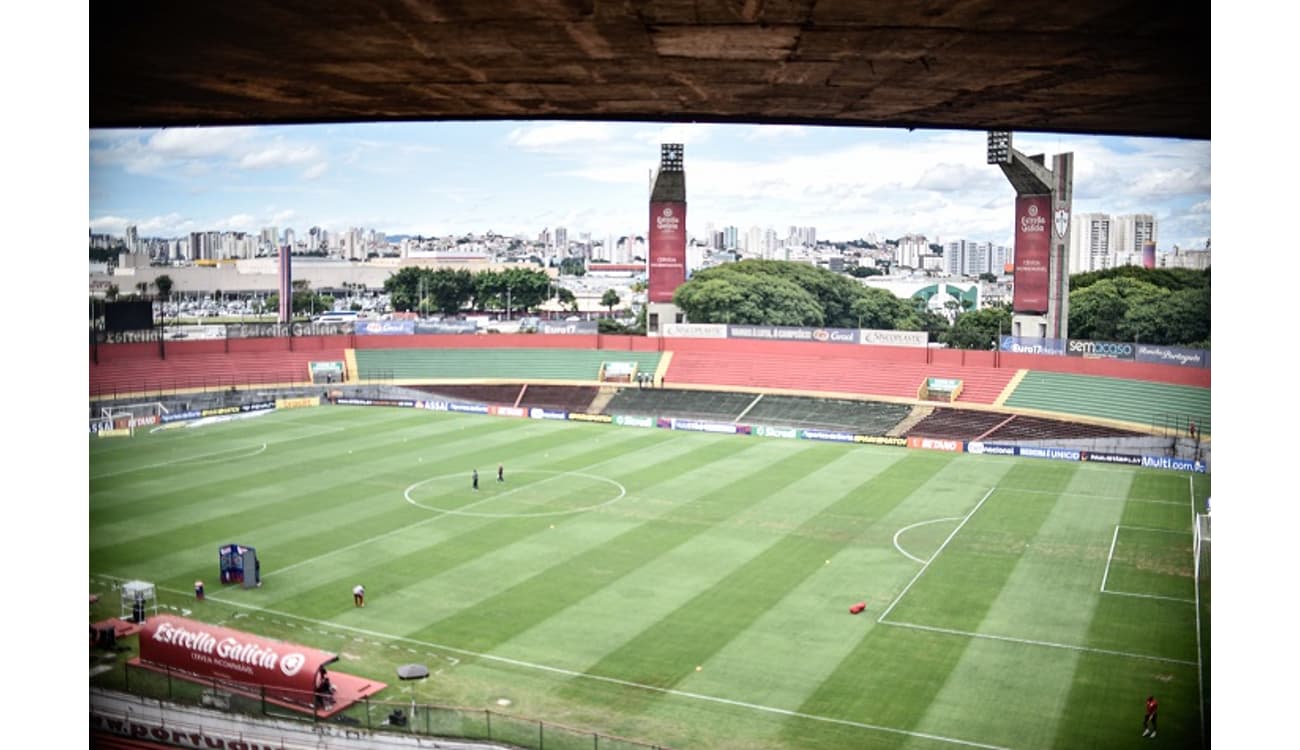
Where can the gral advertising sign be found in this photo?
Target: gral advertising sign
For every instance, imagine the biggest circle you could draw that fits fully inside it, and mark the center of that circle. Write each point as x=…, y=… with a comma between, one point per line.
x=211, y=651
x=385, y=327
x=1099, y=349
x=667, y=249
x=1033, y=252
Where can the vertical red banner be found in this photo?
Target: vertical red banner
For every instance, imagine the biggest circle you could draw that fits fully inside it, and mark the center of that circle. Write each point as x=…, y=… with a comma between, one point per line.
x=667, y=249
x=1033, y=253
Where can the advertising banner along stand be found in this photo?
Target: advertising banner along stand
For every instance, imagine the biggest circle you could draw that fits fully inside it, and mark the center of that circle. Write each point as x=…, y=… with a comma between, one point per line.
x=290, y=674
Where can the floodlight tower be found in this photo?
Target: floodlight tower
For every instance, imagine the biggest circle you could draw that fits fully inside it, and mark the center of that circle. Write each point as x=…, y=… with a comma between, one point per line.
x=1040, y=307
x=667, y=239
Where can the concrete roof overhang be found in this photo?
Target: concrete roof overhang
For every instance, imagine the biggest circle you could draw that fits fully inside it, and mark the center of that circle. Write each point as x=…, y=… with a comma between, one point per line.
x=1131, y=67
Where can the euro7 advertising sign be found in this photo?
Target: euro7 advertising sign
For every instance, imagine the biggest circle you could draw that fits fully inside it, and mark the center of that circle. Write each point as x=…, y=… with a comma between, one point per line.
x=667, y=249
x=1033, y=253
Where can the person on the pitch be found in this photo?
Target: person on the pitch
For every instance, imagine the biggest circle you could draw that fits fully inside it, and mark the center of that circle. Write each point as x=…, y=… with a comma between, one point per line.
x=474, y=480
x=501, y=472
x=359, y=595
x=1149, y=722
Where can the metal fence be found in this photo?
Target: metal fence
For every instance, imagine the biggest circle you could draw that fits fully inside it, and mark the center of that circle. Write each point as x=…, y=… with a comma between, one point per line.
x=407, y=717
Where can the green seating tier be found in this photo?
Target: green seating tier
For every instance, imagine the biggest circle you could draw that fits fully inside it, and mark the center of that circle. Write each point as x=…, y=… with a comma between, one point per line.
x=1139, y=402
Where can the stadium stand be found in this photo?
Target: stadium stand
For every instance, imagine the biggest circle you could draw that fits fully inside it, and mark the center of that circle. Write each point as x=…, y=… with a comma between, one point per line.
x=476, y=394
x=1140, y=403
x=493, y=364
x=863, y=417
x=822, y=374
x=958, y=424
x=211, y=371
x=667, y=402
x=568, y=398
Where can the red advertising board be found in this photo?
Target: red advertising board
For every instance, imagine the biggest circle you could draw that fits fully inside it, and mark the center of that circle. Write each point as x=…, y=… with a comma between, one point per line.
x=211, y=651
x=667, y=249
x=1033, y=252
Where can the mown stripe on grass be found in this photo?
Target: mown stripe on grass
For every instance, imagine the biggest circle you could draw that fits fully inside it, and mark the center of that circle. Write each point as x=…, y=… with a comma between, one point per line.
x=442, y=563
x=1051, y=595
x=668, y=651
x=893, y=674
x=516, y=609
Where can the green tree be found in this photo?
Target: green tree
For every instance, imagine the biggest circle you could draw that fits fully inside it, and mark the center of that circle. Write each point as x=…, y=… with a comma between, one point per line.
x=566, y=297
x=111, y=293
x=1100, y=310
x=573, y=267
x=451, y=289
x=748, y=299
x=609, y=299
x=403, y=288
x=978, y=329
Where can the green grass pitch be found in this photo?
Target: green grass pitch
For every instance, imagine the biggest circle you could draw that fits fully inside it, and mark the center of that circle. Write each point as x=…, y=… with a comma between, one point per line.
x=684, y=589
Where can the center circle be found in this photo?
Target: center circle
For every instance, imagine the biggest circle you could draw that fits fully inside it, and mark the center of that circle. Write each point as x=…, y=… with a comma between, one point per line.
x=622, y=491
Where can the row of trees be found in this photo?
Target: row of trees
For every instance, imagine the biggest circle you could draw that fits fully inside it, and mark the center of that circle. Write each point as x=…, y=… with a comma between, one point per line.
x=1155, y=306
x=449, y=291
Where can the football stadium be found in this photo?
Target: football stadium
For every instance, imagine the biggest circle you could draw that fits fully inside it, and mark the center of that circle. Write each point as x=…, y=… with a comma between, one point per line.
x=718, y=532
x=763, y=544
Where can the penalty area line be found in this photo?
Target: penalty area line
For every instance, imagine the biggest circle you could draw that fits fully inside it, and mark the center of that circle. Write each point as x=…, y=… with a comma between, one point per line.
x=1046, y=644
x=601, y=678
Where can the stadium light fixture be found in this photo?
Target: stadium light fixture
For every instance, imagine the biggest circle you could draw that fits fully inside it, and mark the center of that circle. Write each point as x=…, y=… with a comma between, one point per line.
x=999, y=147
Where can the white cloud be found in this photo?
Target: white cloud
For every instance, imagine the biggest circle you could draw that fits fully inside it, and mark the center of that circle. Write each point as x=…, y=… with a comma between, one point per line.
x=551, y=135
x=278, y=156
x=315, y=171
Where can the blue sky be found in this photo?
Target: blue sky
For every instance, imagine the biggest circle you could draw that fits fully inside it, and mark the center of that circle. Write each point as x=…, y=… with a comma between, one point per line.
x=522, y=177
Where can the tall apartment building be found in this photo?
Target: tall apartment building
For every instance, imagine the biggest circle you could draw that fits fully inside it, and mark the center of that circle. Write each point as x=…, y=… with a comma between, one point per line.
x=1091, y=237
x=910, y=249
x=1130, y=233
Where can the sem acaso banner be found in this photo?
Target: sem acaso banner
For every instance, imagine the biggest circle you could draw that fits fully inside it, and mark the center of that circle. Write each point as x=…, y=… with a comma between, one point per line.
x=1099, y=349
x=212, y=651
x=1033, y=247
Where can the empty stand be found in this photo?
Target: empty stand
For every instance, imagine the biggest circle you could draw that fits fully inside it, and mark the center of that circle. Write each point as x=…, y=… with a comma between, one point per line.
x=1138, y=402
x=208, y=371
x=863, y=417
x=668, y=402
x=959, y=424
x=493, y=364
x=827, y=374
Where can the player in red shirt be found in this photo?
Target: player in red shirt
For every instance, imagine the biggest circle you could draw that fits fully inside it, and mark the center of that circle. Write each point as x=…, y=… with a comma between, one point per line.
x=1149, y=722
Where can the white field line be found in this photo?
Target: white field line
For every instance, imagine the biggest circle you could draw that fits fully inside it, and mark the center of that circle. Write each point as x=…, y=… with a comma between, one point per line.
x=430, y=519
x=926, y=567
x=1196, y=582
x=1113, y=539
x=599, y=678
x=1048, y=644
x=1153, y=528
x=1093, y=496
x=192, y=459
x=385, y=535
x=913, y=526
x=1149, y=596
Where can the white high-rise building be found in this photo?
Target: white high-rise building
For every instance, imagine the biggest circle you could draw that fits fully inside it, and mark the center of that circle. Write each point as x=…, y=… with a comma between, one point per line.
x=132, y=239
x=910, y=249
x=1130, y=233
x=1091, y=243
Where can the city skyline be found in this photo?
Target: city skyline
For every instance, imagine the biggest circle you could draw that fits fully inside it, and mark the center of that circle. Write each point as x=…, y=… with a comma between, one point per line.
x=520, y=178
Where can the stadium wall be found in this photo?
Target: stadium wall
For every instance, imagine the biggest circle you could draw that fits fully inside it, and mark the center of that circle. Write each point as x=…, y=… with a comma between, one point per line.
x=1159, y=373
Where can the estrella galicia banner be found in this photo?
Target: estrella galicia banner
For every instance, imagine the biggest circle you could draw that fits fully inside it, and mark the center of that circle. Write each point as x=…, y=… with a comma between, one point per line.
x=1019, y=345
x=1099, y=349
x=667, y=249
x=385, y=327
x=1033, y=247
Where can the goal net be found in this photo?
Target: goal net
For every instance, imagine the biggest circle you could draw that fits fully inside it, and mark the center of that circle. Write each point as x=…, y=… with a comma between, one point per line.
x=124, y=419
